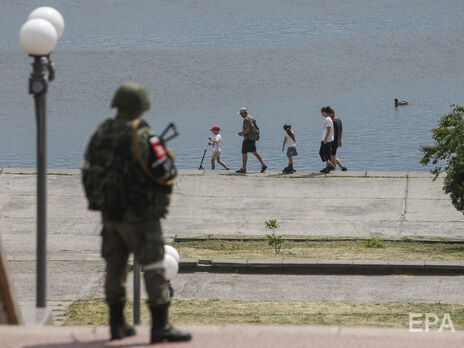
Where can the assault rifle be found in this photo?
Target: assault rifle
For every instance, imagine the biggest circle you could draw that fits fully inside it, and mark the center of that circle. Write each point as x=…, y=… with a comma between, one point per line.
x=171, y=126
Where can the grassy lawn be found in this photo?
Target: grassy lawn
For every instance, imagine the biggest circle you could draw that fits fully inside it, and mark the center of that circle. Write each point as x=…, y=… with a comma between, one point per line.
x=380, y=250
x=215, y=312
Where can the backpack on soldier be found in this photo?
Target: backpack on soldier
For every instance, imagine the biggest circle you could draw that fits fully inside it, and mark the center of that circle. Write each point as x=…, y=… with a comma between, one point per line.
x=254, y=130
x=103, y=174
x=114, y=179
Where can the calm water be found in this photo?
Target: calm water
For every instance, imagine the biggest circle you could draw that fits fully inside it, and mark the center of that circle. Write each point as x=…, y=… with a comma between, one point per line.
x=201, y=60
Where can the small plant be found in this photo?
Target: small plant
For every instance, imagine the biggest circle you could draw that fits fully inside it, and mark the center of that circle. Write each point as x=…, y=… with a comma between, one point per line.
x=373, y=243
x=273, y=240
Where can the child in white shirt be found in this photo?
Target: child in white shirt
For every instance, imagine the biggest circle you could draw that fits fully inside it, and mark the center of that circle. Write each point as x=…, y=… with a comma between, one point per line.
x=290, y=140
x=217, y=147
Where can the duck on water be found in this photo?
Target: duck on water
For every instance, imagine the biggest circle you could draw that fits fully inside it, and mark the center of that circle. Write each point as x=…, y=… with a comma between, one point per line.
x=403, y=102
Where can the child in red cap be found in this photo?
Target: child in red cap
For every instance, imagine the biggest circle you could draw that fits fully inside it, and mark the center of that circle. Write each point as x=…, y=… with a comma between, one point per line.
x=217, y=147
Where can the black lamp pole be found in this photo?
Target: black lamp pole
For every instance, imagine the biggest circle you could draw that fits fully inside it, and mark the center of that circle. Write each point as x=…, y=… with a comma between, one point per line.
x=136, y=306
x=42, y=73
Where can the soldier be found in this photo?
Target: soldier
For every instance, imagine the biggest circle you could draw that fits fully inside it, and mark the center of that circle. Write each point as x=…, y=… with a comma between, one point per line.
x=128, y=175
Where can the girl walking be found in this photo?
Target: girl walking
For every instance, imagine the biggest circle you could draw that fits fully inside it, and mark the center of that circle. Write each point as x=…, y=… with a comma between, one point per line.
x=290, y=140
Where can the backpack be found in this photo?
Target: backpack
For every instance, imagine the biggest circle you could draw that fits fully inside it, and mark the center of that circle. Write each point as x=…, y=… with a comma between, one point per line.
x=103, y=174
x=254, y=130
x=113, y=178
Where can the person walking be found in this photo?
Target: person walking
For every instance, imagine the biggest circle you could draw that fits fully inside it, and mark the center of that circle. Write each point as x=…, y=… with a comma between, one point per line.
x=128, y=176
x=290, y=140
x=326, y=141
x=250, y=133
x=337, y=142
x=216, y=142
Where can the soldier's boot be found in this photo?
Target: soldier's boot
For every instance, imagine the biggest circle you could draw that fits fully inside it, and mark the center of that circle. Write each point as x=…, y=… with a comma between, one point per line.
x=118, y=326
x=161, y=331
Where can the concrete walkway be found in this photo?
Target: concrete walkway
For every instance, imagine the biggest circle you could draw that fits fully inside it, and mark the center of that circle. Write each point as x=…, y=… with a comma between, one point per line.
x=236, y=336
x=352, y=204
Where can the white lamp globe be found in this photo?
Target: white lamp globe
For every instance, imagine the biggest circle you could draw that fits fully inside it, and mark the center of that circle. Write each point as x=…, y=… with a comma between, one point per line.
x=38, y=37
x=51, y=15
x=171, y=267
x=168, y=249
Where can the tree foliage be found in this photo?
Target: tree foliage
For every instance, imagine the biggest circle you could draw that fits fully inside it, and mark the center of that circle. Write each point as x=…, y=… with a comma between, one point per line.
x=447, y=154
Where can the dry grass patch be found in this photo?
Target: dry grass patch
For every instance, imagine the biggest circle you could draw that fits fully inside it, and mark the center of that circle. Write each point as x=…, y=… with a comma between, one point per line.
x=213, y=312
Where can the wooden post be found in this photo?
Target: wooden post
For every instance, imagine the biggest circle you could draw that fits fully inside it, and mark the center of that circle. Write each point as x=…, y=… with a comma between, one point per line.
x=7, y=295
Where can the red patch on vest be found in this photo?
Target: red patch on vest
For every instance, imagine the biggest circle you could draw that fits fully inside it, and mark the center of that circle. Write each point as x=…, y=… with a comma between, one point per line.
x=157, y=147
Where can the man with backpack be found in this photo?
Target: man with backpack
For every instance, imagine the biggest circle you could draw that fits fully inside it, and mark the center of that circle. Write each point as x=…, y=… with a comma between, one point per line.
x=250, y=133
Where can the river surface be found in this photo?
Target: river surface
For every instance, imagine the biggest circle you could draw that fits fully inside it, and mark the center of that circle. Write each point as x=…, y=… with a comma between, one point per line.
x=201, y=60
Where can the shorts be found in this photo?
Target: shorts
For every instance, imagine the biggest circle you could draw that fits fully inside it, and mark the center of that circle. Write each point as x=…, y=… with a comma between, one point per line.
x=292, y=151
x=215, y=155
x=333, y=148
x=324, y=151
x=248, y=146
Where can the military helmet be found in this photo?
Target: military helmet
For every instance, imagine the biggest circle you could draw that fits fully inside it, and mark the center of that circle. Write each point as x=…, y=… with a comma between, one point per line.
x=131, y=96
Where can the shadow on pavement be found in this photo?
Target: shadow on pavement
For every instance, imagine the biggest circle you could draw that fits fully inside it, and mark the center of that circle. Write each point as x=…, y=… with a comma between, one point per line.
x=296, y=175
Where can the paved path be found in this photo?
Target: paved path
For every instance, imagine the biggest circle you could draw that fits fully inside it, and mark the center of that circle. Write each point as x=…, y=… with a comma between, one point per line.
x=90, y=277
x=424, y=289
x=235, y=336
x=353, y=204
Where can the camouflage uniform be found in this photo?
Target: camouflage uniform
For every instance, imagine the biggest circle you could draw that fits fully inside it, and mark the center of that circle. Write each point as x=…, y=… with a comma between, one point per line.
x=131, y=201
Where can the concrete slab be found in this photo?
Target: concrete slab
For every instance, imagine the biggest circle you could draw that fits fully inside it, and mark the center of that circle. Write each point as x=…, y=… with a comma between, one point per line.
x=9, y=170
x=17, y=184
x=427, y=189
x=26, y=243
x=417, y=210
x=424, y=175
x=431, y=229
x=59, y=171
x=36, y=316
x=308, y=287
x=387, y=174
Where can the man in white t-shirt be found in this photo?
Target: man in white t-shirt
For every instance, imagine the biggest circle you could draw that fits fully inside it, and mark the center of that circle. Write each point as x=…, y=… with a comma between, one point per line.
x=215, y=141
x=326, y=141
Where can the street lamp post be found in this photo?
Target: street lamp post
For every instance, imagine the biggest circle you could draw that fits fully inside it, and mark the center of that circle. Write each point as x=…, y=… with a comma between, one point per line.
x=38, y=37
